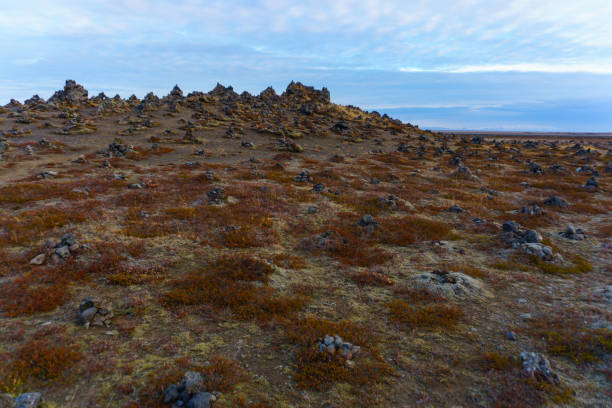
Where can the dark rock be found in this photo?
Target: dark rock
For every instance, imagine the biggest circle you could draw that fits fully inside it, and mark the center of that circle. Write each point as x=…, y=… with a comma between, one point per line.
x=510, y=226
x=455, y=209
x=201, y=400
x=318, y=187
x=511, y=336
x=556, y=201
x=532, y=236
x=592, y=183
x=367, y=221
x=216, y=195
x=303, y=177
x=171, y=394
x=535, y=168
x=576, y=234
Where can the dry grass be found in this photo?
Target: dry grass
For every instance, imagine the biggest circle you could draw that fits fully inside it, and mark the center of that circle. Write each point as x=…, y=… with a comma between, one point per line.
x=427, y=316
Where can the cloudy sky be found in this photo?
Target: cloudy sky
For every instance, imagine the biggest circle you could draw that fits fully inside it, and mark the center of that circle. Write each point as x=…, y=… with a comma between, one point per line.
x=461, y=64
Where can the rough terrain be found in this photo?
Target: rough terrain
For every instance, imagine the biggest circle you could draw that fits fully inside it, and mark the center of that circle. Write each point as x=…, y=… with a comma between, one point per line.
x=226, y=250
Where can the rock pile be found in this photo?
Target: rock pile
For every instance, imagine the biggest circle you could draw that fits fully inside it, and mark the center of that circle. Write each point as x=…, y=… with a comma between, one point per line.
x=516, y=235
x=535, y=365
x=216, y=195
x=72, y=94
x=576, y=234
x=368, y=223
x=592, y=183
x=57, y=251
x=189, y=393
x=303, y=177
x=117, y=149
x=530, y=241
x=334, y=345
x=556, y=201
x=95, y=313
x=531, y=210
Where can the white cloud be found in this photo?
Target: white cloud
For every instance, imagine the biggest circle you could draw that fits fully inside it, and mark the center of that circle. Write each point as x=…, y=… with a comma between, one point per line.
x=560, y=68
x=466, y=35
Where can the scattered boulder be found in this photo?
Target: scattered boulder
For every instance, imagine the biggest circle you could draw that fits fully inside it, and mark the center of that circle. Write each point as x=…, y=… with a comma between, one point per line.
x=592, y=183
x=334, y=345
x=216, y=195
x=118, y=149
x=303, y=177
x=538, y=250
x=535, y=365
x=576, y=234
x=455, y=209
x=189, y=392
x=516, y=235
x=368, y=223
x=535, y=168
x=94, y=313
x=531, y=210
x=556, y=201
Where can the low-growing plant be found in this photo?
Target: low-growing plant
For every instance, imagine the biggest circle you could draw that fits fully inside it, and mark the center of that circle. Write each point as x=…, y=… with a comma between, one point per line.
x=371, y=278
x=319, y=370
x=27, y=295
x=42, y=359
x=568, y=338
x=427, y=316
x=412, y=229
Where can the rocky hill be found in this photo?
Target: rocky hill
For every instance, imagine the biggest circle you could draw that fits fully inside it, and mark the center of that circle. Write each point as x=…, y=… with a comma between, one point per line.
x=232, y=250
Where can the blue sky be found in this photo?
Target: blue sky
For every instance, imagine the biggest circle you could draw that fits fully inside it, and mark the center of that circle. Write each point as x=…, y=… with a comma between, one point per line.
x=462, y=64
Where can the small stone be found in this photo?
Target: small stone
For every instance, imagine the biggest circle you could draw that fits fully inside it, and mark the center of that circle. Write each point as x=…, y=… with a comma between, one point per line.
x=455, y=209
x=511, y=336
x=171, y=394
x=312, y=209
x=38, y=259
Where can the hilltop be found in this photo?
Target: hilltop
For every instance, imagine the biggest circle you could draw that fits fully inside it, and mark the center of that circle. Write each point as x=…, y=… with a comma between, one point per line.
x=280, y=250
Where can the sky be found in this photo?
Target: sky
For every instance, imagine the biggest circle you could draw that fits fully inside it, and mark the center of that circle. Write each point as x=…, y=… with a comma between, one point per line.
x=455, y=64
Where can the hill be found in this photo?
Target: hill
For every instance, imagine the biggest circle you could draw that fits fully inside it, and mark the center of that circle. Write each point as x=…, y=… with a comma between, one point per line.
x=274, y=250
